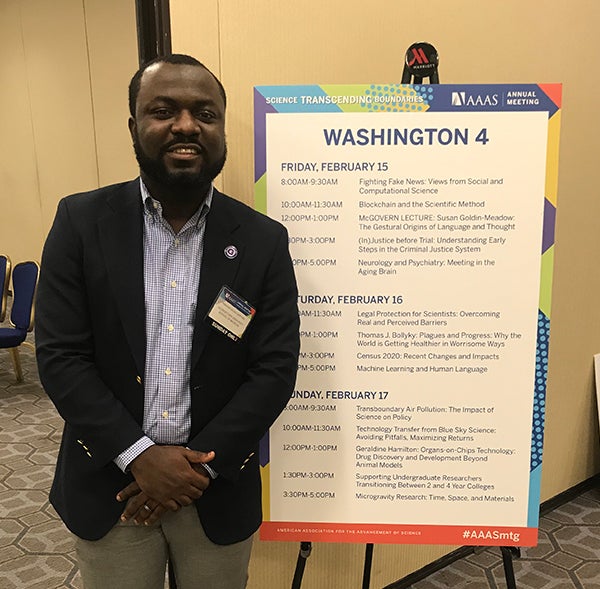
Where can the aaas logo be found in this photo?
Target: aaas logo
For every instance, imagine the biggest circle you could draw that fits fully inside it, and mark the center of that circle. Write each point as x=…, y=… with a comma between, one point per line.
x=459, y=98
x=464, y=99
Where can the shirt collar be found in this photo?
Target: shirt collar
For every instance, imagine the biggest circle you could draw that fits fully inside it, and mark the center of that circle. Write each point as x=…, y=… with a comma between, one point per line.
x=153, y=207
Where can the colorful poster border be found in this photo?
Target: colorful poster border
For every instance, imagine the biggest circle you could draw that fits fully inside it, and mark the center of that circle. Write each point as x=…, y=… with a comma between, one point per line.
x=377, y=98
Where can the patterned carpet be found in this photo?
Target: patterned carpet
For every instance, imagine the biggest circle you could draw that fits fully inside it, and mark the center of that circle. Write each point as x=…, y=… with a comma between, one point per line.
x=567, y=555
x=37, y=553
x=35, y=550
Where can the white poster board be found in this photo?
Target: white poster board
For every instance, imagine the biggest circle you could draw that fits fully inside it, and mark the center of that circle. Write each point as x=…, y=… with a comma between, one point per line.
x=417, y=217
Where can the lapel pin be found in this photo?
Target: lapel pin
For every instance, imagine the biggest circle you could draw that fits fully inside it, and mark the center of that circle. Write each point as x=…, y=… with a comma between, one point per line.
x=231, y=252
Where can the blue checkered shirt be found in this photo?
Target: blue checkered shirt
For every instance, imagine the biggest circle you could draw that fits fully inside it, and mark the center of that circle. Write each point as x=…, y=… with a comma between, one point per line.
x=172, y=265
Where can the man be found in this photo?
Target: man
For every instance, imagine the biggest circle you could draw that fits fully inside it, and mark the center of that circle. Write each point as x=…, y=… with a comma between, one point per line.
x=167, y=337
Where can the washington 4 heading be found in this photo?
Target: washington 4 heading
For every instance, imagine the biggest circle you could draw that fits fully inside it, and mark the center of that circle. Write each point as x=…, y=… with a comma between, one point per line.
x=404, y=137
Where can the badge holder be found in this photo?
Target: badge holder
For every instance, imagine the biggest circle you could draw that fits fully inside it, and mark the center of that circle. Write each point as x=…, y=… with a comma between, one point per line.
x=230, y=314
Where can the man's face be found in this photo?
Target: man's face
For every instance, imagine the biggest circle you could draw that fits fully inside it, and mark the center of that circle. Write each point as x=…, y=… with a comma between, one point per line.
x=179, y=127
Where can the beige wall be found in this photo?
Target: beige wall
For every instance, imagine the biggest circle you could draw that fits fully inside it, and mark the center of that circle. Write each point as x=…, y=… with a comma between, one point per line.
x=63, y=109
x=67, y=63
x=350, y=41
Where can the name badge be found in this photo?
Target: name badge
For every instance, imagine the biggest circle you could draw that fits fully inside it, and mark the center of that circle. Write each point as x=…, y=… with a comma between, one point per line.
x=230, y=314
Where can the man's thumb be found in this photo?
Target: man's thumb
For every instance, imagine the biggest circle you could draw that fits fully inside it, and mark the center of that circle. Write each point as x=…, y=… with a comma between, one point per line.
x=197, y=457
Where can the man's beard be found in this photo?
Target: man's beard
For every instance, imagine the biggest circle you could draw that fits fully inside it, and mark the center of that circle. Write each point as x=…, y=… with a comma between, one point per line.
x=157, y=171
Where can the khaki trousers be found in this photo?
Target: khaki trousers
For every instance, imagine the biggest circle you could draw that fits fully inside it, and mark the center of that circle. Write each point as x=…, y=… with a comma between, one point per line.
x=135, y=557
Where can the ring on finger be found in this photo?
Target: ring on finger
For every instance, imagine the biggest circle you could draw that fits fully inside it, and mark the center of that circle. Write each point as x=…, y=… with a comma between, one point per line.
x=147, y=507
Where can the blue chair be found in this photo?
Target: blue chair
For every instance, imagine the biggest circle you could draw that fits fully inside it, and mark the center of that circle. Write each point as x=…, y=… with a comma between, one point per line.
x=4, y=282
x=24, y=284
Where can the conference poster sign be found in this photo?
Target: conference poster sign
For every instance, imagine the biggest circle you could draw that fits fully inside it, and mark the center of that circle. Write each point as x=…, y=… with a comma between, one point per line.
x=421, y=227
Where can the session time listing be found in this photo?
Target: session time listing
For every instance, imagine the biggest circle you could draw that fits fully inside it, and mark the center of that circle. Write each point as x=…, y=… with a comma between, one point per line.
x=393, y=447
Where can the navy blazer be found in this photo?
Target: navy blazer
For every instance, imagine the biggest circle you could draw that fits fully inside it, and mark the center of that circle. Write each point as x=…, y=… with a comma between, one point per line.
x=90, y=338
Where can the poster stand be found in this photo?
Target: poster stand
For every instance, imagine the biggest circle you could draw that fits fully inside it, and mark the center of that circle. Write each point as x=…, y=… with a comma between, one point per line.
x=421, y=61
x=367, y=568
x=508, y=554
x=303, y=554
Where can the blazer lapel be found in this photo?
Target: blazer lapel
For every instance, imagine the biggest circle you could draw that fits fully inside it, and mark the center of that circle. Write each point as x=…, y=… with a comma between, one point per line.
x=218, y=269
x=121, y=240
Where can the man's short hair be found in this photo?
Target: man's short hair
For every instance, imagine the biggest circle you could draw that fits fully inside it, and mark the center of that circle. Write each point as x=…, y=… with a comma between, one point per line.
x=175, y=58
